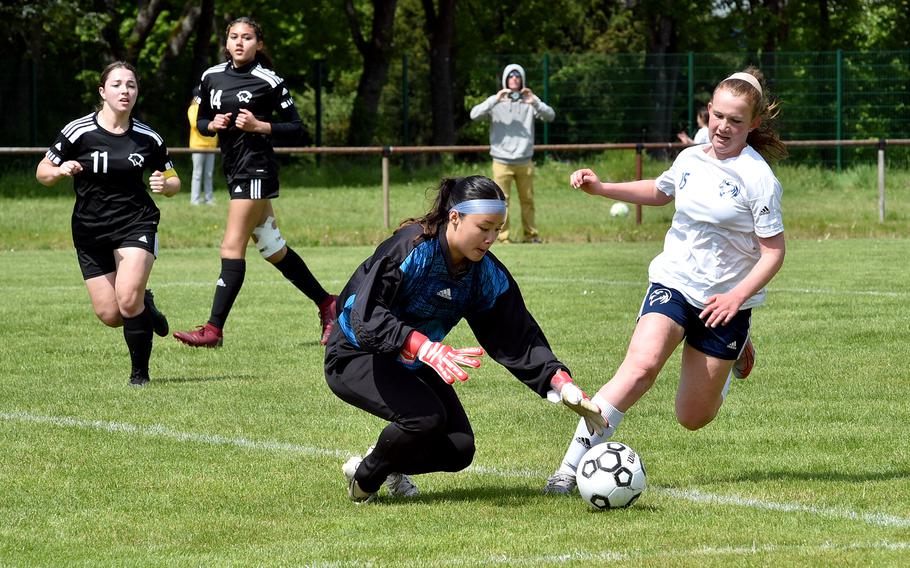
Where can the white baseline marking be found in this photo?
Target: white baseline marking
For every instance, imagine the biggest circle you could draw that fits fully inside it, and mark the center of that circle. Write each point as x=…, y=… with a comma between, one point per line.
x=705, y=551
x=643, y=284
x=159, y=431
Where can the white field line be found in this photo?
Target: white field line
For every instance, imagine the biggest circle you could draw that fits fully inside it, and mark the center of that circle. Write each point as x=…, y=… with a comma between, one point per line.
x=703, y=552
x=159, y=431
x=537, y=279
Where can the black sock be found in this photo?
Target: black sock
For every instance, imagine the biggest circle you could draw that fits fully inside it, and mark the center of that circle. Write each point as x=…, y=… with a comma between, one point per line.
x=137, y=331
x=230, y=281
x=294, y=269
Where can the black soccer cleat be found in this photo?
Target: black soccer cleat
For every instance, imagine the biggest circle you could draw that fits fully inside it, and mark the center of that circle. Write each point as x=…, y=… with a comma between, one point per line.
x=159, y=321
x=139, y=378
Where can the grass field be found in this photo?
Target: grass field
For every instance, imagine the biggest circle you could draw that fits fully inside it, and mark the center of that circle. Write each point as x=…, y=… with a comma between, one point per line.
x=232, y=457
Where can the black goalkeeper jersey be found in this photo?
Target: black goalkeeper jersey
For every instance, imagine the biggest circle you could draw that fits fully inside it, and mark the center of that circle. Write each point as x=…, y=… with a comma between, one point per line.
x=226, y=89
x=112, y=200
x=409, y=284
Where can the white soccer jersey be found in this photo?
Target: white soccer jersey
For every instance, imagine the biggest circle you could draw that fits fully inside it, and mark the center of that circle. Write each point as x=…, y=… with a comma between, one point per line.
x=722, y=208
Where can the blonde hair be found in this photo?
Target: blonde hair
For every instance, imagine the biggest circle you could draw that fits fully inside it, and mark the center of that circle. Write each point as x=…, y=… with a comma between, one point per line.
x=765, y=138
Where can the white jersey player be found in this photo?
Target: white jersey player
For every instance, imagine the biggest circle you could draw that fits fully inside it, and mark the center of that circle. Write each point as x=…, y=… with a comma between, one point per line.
x=725, y=244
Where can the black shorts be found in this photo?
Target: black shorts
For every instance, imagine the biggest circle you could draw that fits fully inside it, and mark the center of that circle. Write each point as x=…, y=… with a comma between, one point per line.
x=254, y=188
x=99, y=260
x=724, y=341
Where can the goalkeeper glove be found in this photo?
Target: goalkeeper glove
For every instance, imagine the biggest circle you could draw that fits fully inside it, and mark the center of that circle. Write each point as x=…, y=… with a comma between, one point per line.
x=569, y=394
x=446, y=361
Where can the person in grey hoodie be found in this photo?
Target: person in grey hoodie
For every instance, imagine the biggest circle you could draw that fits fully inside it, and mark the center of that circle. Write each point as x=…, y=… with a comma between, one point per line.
x=512, y=112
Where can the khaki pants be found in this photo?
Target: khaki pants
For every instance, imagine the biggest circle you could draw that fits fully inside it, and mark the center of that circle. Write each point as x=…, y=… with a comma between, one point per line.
x=523, y=175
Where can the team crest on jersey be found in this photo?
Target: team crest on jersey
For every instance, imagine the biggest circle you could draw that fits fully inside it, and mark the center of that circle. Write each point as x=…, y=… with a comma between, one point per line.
x=728, y=187
x=659, y=296
x=136, y=159
x=244, y=96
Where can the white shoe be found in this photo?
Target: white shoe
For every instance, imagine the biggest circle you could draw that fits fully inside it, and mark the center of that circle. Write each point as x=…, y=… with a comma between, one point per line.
x=355, y=493
x=398, y=484
x=560, y=484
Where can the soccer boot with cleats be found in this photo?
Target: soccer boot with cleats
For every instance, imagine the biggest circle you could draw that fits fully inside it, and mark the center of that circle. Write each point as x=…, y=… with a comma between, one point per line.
x=560, y=483
x=327, y=318
x=355, y=493
x=398, y=484
x=203, y=336
x=743, y=366
x=139, y=378
x=159, y=321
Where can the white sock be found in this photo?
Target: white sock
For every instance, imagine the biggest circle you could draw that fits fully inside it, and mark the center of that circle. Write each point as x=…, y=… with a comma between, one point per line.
x=723, y=394
x=582, y=441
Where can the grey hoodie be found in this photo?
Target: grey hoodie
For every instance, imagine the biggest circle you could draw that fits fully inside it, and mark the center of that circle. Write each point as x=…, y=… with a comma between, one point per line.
x=512, y=122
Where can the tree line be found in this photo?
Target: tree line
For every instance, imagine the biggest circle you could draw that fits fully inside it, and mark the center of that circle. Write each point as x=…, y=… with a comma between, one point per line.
x=54, y=50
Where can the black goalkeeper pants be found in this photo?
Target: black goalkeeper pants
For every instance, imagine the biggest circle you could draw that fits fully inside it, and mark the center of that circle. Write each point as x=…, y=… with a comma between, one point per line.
x=428, y=429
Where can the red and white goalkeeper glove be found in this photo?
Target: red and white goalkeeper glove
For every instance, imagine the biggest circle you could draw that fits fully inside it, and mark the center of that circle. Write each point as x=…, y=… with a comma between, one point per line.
x=446, y=361
x=576, y=399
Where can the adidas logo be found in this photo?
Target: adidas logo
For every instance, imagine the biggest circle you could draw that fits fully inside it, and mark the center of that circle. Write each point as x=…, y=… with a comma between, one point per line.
x=731, y=345
x=764, y=211
x=221, y=283
x=238, y=189
x=445, y=293
x=142, y=239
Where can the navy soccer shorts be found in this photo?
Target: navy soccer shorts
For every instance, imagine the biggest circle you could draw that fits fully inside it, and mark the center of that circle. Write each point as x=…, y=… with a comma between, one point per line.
x=723, y=341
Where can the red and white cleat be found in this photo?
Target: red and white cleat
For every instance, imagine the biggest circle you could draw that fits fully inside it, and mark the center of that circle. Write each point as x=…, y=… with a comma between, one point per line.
x=327, y=318
x=203, y=336
x=743, y=366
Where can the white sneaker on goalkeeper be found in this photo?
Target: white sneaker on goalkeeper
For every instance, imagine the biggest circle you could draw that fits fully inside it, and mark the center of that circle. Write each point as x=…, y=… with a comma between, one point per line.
x=560, y=483
x=355, y=493
x=398, y=484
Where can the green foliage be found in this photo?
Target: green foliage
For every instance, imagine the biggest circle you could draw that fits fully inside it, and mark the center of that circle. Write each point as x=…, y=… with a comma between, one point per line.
x=601, y=74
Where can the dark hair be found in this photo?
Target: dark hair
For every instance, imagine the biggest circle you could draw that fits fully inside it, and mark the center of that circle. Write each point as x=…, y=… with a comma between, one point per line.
x=105, y=73
x=703, y=114
x=261, y=57
x=451, y=192
x=764, y=139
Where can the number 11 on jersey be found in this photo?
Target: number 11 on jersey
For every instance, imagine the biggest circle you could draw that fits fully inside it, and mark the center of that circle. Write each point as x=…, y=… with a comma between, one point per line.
x=103, y=159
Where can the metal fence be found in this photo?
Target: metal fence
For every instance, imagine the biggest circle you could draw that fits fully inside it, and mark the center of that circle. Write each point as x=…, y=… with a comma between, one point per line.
x=836, y=95
x=598, y=98
x=386, y=152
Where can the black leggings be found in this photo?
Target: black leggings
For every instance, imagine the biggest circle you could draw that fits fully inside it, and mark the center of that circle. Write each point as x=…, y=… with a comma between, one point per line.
x=428, y=429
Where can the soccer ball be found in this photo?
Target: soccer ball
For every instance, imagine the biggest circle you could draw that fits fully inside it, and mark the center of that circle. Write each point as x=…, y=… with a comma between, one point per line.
x=619, y=210
x=610, y=476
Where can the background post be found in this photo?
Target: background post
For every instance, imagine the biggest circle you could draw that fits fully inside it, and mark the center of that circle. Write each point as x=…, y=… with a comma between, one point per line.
x=639, y=148
x=881, y=180
x=386, y=151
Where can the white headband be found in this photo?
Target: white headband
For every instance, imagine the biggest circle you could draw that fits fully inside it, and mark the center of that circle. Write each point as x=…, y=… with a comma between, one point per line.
x=748, y=78
x=481, y=206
